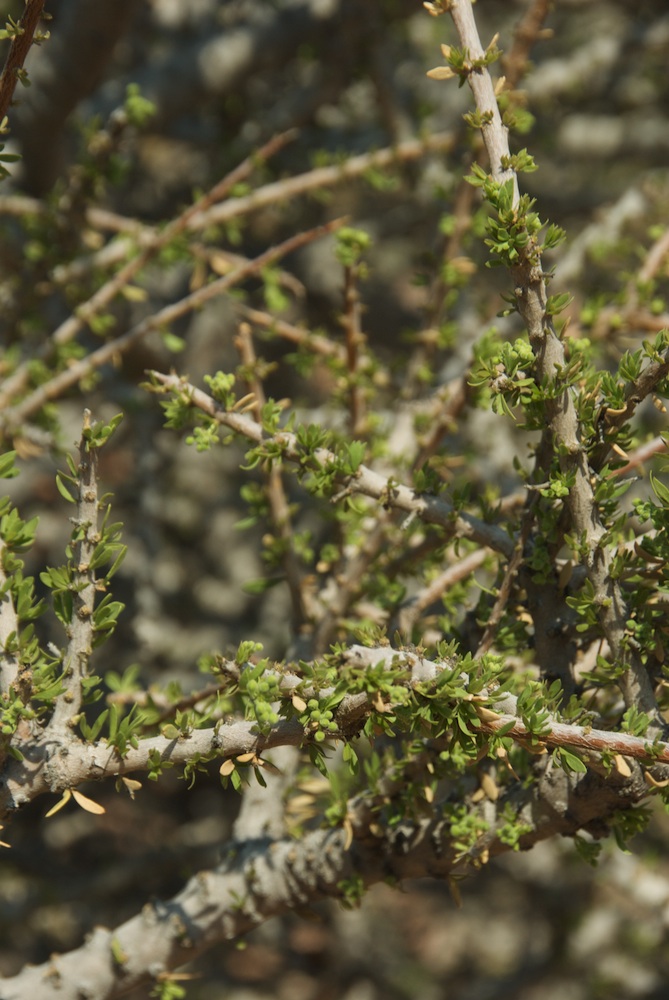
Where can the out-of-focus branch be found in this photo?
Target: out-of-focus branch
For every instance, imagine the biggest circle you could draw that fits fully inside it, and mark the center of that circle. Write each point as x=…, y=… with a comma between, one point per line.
x=13, y=416
x=9, y=625
x=411, y=610
x=276, y=494
x=265, y=196
x=316, y=343
x=642, y=454
x=159, y=239
x=528, y=30
x=91, y=30
x=18, y=51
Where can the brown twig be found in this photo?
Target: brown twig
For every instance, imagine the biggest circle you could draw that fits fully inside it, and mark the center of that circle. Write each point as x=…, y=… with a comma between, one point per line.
x=642, y=454
x=9, y=625
x=18, y=51
x=159, y=239
x=354, y=339
x=314, y=342
x=269, y=194
x=12, y=417
x=510, y=574
x=528, y=30
x=411, y=610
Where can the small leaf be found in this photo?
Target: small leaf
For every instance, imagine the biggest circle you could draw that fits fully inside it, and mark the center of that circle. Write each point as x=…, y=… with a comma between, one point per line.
x=63, y=490
x=132, y=785
x=622, y=767
x=269, y=767
x=441, y=73
x=88, y=804
x=573, y=762
x=489, y=786
x=226, y=768
x=660, y=490
x=299, y=704
x=67, y=795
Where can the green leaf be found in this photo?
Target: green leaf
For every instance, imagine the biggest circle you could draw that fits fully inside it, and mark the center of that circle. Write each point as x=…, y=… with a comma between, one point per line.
x=660, y=490
x=63, y=490
x=571, y=762
x=7, y=468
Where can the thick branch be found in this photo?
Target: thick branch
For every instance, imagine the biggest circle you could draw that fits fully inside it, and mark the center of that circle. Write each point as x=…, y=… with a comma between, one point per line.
x=46, y=768
x=263, y=878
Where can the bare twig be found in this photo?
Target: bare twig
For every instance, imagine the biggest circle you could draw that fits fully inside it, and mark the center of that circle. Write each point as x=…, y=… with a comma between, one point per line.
x=354, y=339
x=314, y=342
x=508, y=580
x=411, y=611
x=642, y=454
x=276, y=495
x=528, y=30
x=159, y=239
x=12, y=417
x=269, y=194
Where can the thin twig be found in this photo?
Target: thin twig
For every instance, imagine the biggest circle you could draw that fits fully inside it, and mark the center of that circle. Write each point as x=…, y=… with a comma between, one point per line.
x=55, y=387
x=9, y=625
x=354, y=339
x=276, y=494
x=306, y=339
x=159, y=239
x=410, y=612
x=510, y=575
x=642, y=454
x=431, y=509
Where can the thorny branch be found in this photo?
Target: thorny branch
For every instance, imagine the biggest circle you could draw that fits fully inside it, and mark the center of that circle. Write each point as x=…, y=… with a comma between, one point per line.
x=562, y=419
x=432, y=510
x=80, y=645
x=41, y=771
x=260, y=878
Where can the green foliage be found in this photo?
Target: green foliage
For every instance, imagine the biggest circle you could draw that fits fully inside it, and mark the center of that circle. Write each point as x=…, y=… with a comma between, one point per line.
x=138, y=109
x=350, y=245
